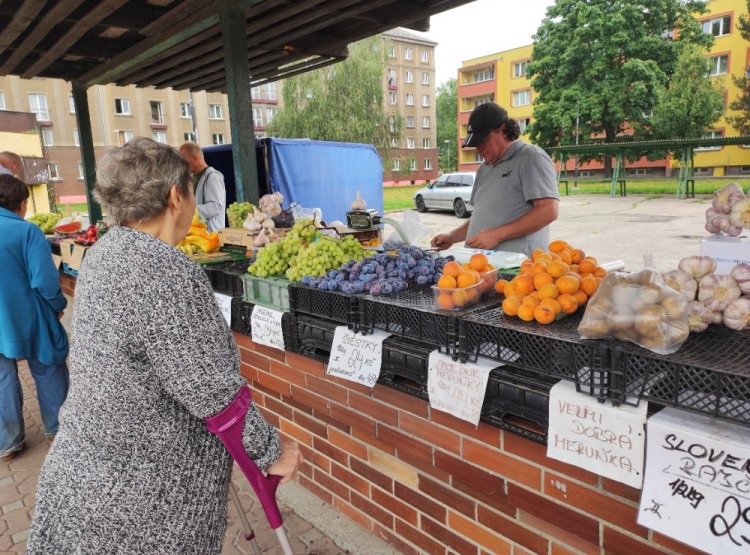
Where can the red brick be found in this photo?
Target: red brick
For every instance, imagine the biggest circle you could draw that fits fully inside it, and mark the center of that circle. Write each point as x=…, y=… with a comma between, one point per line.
x=407, y=447
x=355, y=514
x=322, y=386
x=374, y=511
x=554, y=513
x=587, y=500
x=462, y=471
x=370, y=474
x=401, y=400
x=305, y=364
x=497, y=461
x=447, y=537
x=294, y=431
x=425, y=543
x=480, y=535
x=319, y=459
x=277, y=407
x=349, y=385
x=356, y=483
x=394, y=505
x=448, y=440
x=616, y=543
x=334, y=486
x=571, y=541
x=497, y=500
x=286, y=372
x=332, y=452
x=377, y=410
x=270, y=352
x=274, y=384
x=520, y=551
x=354, y=419
x=421, y=502
x=310, y=424
x=510, y=528
x=557, y=549
x=537, y=453
x=272, y=418
x=618, y=488
x=484, y=432
x=393, y=540
x=257, y=361
x=311, y=486
x=243, y=340
x=368, y=438
x=448, y=496
x=332, y=422
x=345, y=442
x=250, y=373
x=307, y=401
x=674, y=545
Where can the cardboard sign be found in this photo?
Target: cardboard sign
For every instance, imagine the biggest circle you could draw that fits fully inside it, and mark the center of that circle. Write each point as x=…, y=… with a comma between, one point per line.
x=607, y=440
x=726, y=251
x=458, y=388
x=356, y=357
x=697, y=485
x=266, y=327
x=225, y=305
x=66, y=250
x=77, y=256
x=56, y=260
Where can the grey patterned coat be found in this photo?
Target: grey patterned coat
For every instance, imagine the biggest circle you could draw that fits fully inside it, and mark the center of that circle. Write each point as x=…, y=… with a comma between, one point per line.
x=133, y=469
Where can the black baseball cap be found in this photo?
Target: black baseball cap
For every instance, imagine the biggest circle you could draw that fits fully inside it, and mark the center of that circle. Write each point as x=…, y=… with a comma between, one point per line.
x=485, y=118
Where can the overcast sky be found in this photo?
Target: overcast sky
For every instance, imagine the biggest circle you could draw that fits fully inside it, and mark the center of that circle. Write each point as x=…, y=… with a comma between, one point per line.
x=482, y=27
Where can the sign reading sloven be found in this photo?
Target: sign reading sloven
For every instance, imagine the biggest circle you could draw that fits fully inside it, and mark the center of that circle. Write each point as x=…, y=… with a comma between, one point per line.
x=697, y=485
x=265, y=326
x=607, y=440
x=356, y=357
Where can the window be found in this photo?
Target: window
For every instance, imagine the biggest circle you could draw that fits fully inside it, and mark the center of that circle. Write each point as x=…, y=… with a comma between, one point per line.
x=214, y=112
x=76, y=137
x=519, y=69
x=257, y=116
x=71, y=105
x=185, y=109
x=425, y=56
x=478, y=157
x=122, y=106
x=391, y=51
x=47, y=137
x=719, y=26
x=425, y=100
x=717, y=65
x=428, y=163
x=716, y=134
x=523, y=123
x=188, y=136
x=408, y=53
x=522, y=98
x=80, y=170
x=392, y=97
x=392, y=75
x=159, y=136
x=426, y=142
x=484, y=74
x=409, y=99
x=396, y=165
x=392, y=124
x=425, y=78
x=123, y=137
x=255, y=93
x=38, y=106
x=269, y=90
x=425, y=122
x=410, y=142
x=409, y=76
x=394, y=142
x=54, y=171
x=217, y=138
x=270, y=114
x=410, y=121
x=157, y=116
x=412, y=165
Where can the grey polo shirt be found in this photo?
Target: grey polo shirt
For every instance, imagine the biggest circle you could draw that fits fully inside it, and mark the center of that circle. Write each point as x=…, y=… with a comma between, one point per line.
x=503, y=192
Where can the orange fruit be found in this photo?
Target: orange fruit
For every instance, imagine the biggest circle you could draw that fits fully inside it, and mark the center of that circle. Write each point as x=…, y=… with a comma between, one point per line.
x=466, y=279
x=510, y=306
x=445, y=300
x=526, y=266
x=500, y=285
x=566, y=257
x=536, y=253
x=574, y=268
x=478, y=261
x=547, y=257
x=549, y=291
x=452, y=268
x=568, y=303
x=587, y=265
x=577, y=255
x=581, y=297
x=465, y=267
x=474, y=295
x=509, y=288
x=567, y=284
x=557, y=268
x=460, y=297
x=538, y=267
x=526, y=312
x=531, y=299
x=544, y=314
x=599, y=272
x=489, y=267
x=557, y=246
x=524, y=284
x=542, y=279
x=447, y=282
x=553, y=304
x=588, y=285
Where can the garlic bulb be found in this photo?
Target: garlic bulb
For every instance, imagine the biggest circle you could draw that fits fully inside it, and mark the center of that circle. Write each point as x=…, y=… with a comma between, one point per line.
x=251, y=223
x=712, y=224
x=737, y=314
x=741, y=274
x=718, y=317
x=740, y=215
x=725, y=197
x=261, y=240
x=700, y=316
x=717, y=292
x=681, y=281
x=259, y=216
x=278, y=197
x=726, y=225
x=697, y=266
x=268, y=224
x=359, y=203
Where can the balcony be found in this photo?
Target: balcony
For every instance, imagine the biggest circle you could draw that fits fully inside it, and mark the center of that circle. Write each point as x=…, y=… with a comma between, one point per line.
x=157, y=122
x=392, y=86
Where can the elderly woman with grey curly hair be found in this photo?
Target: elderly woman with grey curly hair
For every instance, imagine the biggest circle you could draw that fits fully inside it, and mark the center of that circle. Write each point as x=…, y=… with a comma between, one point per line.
x=133, y=468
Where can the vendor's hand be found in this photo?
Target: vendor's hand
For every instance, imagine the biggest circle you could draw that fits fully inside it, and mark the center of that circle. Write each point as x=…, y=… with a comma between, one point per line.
x=441, y=241
x=287, y=464
x=487, y=239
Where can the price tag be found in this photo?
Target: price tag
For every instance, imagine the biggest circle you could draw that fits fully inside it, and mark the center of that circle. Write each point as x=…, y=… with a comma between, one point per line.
x=356, y=357
x=56, y=260
x=607, y=440
x=697, y=484
x=225, y=305
x=266, y=327
x=458, y=388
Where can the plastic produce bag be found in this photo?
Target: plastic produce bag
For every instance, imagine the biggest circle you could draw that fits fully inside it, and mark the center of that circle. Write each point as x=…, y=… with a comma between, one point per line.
x=416, y=232
x=640, y=308
x=300, y=212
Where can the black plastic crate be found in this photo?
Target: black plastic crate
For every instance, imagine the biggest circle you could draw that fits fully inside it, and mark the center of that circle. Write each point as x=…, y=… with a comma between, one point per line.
x=242, y=313
x=709, y=374
x=227, y=278
x=518, y=401
x=549, y=350
x=405, y=365
x=331, y=305
x=312, y=337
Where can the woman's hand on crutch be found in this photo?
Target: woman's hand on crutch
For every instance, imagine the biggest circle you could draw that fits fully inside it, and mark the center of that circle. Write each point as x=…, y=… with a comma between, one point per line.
x=287, y=464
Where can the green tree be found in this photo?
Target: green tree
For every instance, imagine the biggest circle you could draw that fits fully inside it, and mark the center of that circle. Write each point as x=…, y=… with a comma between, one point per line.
x=342, y=102
x=741, y=104
x=691, y=103
x=447, y=124
x=604, y=60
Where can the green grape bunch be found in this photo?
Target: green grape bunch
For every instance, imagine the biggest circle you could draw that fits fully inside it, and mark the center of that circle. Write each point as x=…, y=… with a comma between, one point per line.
x=46, y=222
x=237, y=212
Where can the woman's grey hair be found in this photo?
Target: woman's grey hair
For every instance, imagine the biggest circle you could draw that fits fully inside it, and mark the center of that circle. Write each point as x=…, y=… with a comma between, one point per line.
x=133, y=181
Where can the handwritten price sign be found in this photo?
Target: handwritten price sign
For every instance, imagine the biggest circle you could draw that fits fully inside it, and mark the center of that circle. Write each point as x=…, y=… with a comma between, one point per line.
x=266, y=327
x=607, y=440
x=458, y=388
x=697, y=485
x=356, y=357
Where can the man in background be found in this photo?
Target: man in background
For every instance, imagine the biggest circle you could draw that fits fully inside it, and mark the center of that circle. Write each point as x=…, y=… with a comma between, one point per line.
x=12, y=164
x=208, y=183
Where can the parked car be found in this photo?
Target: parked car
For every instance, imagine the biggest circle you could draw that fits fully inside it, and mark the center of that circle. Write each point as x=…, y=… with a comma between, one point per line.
x=450, y=191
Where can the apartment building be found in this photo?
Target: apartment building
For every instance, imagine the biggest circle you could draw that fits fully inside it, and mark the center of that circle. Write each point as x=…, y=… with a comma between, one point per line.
x=501, y=77
x=409, y=83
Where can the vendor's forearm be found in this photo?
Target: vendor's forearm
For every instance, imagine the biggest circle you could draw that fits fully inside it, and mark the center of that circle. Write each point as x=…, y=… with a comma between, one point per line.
x=459, y=234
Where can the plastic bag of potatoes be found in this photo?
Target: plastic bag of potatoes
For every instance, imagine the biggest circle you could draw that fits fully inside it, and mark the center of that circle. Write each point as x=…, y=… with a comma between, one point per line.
x=637, y=307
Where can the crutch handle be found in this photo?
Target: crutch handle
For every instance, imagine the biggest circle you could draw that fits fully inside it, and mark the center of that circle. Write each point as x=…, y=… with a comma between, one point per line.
x=228, y=425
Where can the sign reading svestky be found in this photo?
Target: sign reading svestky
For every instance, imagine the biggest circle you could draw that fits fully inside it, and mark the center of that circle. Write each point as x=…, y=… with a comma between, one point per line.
x=458, y=388
x=356, y=357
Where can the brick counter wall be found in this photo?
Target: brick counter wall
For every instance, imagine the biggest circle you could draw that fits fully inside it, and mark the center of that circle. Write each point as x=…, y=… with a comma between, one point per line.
x=427, y=482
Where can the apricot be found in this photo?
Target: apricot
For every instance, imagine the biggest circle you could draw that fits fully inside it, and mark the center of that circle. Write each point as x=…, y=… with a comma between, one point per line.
x=557, y=246
x=500, y=285
x=452, y=268
x=447, y=282
x=540, y=280
x=549, y=291
x=568, y=303
x=567, y=284
x=557, y=268
x=510, y=306
x=544, y=314
x=445, y=300
x=526, y=312
x=588, y=285
x=478, y=261
x=466, y=279
x=553, y=304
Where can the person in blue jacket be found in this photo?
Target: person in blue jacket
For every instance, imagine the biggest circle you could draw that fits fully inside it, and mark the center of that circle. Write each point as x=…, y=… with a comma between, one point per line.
x=31, y=304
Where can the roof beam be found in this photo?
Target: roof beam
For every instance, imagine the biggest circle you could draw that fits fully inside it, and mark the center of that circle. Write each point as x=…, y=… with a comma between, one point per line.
x=20, y=22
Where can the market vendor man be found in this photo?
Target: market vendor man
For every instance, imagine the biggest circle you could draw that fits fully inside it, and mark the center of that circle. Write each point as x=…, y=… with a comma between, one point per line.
x=515, y=191
x=208, y=186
